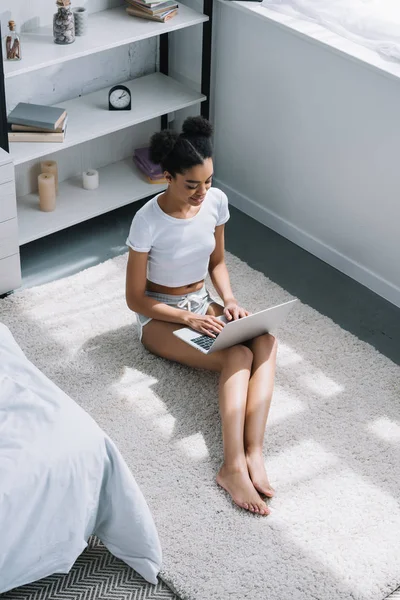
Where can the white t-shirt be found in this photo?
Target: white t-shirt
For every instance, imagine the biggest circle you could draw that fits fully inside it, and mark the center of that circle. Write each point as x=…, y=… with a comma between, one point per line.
x=179, y=249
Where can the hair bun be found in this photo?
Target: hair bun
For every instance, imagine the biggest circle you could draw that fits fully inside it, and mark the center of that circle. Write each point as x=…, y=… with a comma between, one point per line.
x=161, y=144
x=197, y=126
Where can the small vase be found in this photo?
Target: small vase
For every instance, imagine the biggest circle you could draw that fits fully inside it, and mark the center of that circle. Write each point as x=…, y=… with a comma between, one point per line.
x=81, y=20
x=12, y=43
x=64, y=23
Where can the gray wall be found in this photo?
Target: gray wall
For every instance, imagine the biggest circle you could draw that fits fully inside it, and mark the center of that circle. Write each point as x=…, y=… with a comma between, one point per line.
x=307, y=143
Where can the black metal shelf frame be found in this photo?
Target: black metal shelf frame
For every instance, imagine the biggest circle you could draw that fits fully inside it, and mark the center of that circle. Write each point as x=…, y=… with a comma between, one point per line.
x=205, y=61
x=3, y=106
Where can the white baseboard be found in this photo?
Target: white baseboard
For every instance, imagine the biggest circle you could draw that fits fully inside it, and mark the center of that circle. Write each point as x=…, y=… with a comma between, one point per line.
x=316, y=247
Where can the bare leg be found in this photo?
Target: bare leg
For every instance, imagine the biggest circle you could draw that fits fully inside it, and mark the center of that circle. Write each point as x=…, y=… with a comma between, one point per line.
x=234, y=365
x=234, y=475
x=259, y=397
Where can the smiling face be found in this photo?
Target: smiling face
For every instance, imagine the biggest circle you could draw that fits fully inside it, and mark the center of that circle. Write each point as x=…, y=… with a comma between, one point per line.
x=191, y=187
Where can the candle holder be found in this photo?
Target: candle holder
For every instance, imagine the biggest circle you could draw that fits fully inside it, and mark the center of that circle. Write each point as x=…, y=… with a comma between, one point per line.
x=90, y=179
x=81, y=20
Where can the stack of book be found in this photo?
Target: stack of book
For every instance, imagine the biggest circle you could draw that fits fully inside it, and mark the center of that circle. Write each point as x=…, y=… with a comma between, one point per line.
x=37, y=123
x=152, y=172
x=161, y=11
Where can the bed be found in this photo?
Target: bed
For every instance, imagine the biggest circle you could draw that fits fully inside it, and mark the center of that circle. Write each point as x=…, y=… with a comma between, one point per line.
x=62, y=479
x=375, y=23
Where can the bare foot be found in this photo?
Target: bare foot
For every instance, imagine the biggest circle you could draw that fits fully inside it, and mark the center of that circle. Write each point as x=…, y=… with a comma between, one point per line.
x=258, y=474
x=237, y=483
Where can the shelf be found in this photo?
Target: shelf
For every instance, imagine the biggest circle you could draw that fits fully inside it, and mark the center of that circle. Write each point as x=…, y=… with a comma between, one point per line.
x=107, y=29
x=120, y=183
x=89, y=118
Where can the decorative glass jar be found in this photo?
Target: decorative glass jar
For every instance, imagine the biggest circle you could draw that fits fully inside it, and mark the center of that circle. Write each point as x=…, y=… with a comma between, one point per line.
x=12, y=43
x=63, y=23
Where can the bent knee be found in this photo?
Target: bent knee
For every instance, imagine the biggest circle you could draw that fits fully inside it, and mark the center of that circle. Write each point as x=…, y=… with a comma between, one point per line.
x=272, y=340
x=240, y=353
x=264, y=345
x=267, y=339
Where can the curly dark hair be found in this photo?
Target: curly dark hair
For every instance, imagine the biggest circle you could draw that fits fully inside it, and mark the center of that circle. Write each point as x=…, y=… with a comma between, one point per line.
x=176, y=153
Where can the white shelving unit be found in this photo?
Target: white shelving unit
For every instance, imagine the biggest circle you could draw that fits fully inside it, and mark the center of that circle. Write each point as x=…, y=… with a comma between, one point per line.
x=120, y=184
x=107, y=29
x=89, y=118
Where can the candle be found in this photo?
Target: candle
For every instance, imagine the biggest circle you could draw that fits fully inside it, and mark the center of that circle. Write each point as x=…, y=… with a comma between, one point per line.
x=47, y=192
x=81, y=20
x=90, y=179
x=50, y=166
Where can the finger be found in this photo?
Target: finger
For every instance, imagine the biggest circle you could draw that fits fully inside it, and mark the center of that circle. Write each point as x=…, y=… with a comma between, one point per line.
x=217, y=323
x=235, y=313
x=213, y=326
x=242, y=313
x=201, y=328
x=215, y=329
x=227, y=314
x=207, y=332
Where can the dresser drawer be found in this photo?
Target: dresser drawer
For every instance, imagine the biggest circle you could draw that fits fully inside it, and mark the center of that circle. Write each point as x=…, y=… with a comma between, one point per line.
x=8, y=203
x=10, y=273
x=9, y=238
x=7, y=173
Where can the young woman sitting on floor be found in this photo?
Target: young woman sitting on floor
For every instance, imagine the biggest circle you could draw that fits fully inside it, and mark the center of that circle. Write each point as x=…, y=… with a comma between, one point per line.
x=175, y=238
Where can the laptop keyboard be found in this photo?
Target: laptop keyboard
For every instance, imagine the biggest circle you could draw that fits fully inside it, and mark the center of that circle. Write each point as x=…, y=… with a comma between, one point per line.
x=204, y=341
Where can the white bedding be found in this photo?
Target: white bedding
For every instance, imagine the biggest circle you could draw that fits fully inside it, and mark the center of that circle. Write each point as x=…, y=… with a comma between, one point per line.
x=61, y=480
x=371, y=23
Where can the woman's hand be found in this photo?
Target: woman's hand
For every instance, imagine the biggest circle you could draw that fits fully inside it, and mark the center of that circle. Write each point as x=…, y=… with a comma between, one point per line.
x=205, y=324
x=233, y=311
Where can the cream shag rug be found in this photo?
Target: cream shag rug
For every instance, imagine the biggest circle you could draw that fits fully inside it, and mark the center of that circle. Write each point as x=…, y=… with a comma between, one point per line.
x=332, y=442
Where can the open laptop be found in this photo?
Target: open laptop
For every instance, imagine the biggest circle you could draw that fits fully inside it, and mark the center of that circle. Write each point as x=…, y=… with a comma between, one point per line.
x=236, y=332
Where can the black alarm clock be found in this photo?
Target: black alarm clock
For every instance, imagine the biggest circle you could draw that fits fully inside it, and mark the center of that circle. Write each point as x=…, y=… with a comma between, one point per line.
x=119, y=98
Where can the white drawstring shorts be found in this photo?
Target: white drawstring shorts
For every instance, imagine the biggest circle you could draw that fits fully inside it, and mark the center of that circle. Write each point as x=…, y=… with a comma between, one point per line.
x=196, y=302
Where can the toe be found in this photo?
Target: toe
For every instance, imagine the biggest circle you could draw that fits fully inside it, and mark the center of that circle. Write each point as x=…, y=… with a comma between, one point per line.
x=267, y=490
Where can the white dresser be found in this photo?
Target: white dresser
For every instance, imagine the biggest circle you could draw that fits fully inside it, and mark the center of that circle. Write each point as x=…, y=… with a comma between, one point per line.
x=10, y=268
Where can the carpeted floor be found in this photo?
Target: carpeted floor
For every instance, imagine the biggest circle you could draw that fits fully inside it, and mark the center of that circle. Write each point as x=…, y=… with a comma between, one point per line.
x=332, y=442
